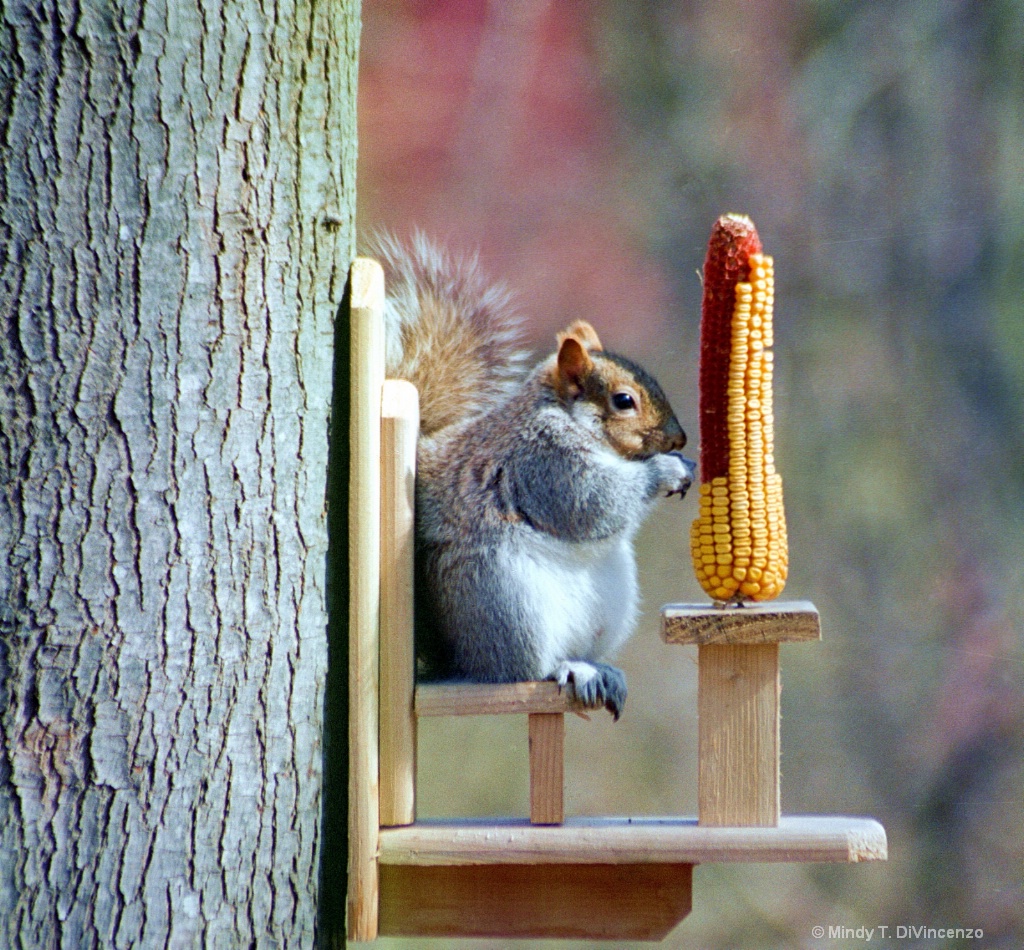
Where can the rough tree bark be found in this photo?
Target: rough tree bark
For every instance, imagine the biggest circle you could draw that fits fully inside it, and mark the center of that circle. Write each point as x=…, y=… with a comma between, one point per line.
x=176, y=224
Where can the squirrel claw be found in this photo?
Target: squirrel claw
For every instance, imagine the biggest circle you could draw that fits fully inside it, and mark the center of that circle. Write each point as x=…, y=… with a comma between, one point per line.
x=596, y=685
x=690, y=471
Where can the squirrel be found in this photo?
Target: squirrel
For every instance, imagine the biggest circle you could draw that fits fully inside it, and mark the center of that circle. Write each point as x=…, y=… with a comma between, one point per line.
x=531, y=483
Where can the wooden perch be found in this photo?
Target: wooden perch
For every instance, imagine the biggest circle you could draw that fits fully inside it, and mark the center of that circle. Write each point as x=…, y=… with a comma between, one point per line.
x=738, y=691
x=493, y=699
x=703, y=625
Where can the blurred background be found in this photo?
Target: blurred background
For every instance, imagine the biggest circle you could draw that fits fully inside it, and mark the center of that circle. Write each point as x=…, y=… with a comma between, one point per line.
x=585, y=149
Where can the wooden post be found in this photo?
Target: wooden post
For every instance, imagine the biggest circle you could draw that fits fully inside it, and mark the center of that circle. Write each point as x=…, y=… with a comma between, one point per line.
x=738, y=703
x=399, y=430
x=367, y=306
x=547, y=768
x=738, y=734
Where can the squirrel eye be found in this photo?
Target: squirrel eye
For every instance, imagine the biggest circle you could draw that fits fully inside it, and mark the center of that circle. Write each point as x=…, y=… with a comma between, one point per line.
x=623, y=401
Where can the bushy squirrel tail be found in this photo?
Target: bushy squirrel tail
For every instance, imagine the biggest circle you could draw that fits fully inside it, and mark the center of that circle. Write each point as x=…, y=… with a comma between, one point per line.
x=448, y=331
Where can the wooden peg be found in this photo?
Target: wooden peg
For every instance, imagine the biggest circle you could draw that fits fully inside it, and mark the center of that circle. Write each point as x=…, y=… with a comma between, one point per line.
x=547, y=768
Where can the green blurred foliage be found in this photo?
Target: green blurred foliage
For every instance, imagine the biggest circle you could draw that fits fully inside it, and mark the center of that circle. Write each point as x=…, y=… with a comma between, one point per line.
x=879, y=146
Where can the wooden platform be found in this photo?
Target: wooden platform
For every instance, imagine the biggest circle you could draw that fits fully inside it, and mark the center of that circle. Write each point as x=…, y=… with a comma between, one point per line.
x=631, y=841
x=592, y=878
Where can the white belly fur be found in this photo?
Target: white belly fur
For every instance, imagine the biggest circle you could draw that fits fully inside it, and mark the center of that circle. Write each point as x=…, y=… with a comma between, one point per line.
x=583, y=597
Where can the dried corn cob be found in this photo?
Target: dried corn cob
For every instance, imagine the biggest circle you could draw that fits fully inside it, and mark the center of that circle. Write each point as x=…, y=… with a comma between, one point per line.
x=738, y=542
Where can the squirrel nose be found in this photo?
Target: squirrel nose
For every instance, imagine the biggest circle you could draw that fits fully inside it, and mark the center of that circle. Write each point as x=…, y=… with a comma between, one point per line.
x=675, y=438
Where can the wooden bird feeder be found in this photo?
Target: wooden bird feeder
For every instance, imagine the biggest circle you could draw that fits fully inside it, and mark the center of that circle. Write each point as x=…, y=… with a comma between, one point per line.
x=544, y=875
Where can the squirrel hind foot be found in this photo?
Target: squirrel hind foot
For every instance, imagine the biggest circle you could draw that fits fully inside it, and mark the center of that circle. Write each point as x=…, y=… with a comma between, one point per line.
x=595, y=685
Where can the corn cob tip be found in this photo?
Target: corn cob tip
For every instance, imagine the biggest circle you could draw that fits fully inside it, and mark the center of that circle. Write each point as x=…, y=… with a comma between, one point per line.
x=735, y=221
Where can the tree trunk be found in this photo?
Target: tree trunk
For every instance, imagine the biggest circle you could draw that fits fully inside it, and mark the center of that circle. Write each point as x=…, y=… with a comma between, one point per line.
x=176, y=225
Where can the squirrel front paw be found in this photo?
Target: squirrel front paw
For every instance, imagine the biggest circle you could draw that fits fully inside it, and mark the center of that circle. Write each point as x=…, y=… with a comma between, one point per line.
x=675, y=473
x=595, y=684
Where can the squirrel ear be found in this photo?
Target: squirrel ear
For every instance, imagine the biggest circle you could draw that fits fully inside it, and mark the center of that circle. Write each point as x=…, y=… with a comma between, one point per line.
x=584, y=333
x=573, y=366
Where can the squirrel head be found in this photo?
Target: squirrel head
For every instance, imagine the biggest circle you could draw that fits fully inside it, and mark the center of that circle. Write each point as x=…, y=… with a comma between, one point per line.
x=627, y=401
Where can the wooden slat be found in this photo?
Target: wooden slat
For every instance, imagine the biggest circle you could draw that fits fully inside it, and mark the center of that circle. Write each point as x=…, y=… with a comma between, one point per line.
x=643, y=840
x=367, y=375
x=483, y=699
x=776, y=622
x=399, y=430
x=738, y=734
x=547, y=768
x=593, y=902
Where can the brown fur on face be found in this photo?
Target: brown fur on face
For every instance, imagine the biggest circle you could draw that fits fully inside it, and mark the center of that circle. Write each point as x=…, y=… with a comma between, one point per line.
x=645, y=429
x=636, y=418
